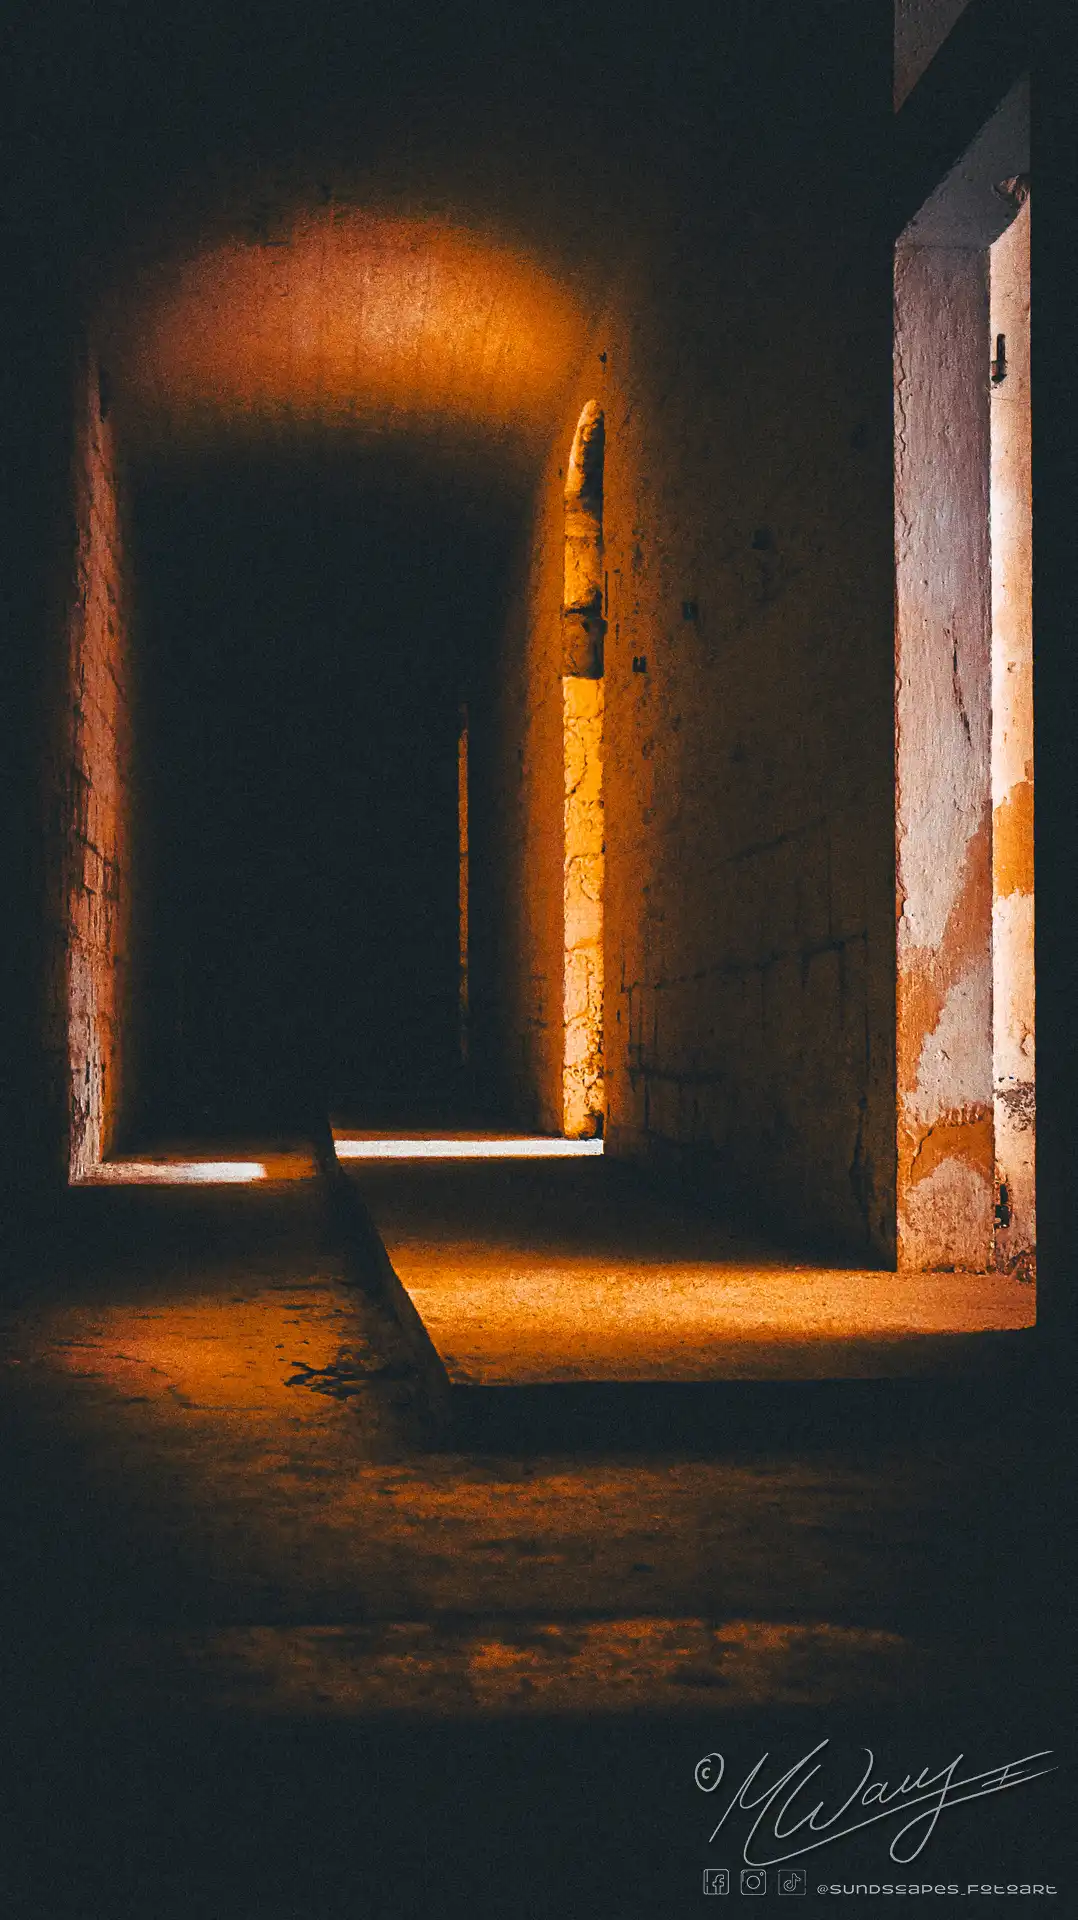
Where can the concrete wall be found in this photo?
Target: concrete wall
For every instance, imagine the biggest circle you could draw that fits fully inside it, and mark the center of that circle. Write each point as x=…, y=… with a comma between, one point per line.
x=748, y=775
x=1055, y=621
x=583, y=1091
x=946, y=1191
x=1012, y=751
x=87, y=776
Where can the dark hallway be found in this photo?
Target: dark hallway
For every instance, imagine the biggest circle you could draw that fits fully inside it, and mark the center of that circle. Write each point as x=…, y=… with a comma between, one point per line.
x=307, y=634
x=537, y=566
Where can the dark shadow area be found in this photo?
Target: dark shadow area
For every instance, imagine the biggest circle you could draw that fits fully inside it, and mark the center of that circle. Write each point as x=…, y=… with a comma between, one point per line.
x=288, y=1820
x=733, y=1419
x=307, y=631
x=597, y=1207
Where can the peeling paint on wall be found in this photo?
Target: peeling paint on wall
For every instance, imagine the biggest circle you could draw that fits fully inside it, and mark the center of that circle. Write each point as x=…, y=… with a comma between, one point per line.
x=946, y=1165
x=1012, y=754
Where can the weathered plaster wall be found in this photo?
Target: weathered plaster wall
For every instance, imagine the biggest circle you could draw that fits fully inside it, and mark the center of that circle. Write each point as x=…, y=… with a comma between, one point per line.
x=88, y=776
x=583, y=1094
x=946, y=1190
x=1012, y=750
x=749, y=802
x=749, y=1036
x=583, y=631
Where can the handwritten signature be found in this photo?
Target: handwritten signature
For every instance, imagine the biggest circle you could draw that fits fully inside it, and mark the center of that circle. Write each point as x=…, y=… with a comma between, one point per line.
x=930, y=1793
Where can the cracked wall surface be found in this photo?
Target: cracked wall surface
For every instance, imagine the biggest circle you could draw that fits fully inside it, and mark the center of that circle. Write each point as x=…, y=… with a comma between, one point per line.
x=1014, y=1094
x=946, y=1174
x=747, y=726
x=748, y=757
x=88, y=853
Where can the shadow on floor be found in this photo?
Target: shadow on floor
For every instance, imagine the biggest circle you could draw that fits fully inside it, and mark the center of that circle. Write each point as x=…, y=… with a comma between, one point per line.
x=204, y=1590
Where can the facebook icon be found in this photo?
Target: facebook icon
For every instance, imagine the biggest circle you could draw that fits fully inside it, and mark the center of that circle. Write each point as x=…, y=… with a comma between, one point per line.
x=716, y=1880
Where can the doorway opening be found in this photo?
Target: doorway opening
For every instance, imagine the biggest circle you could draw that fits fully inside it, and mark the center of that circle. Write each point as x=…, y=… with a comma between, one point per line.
x=313, y=637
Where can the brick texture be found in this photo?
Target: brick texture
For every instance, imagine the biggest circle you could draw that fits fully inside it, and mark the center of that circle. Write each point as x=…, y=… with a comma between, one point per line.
x=88, y=859
x=748, y=772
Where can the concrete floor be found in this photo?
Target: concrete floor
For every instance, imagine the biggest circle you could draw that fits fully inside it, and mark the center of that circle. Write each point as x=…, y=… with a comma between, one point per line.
x=531, y=1272
x=276, y=1646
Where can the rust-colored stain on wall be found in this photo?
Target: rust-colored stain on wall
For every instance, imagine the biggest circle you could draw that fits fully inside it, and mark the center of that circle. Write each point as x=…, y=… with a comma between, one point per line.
x=1012, y=841
x=1014, y=987
x=928, y=973
x=968, y=1137
x=946, y=1187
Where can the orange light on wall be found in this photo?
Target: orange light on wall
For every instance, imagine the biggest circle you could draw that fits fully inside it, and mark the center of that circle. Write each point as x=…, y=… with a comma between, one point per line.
x=582, y=723
x=349, y=319
x=583, y=628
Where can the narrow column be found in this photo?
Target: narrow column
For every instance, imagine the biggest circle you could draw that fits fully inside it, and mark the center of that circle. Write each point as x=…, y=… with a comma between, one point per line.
x=946, y=1168
x=89, y=776
x=583, y=634
x=1014, y=1098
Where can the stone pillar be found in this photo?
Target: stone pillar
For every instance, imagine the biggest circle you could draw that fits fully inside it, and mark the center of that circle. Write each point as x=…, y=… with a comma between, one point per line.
x=946, y=1159
x=1012, y=748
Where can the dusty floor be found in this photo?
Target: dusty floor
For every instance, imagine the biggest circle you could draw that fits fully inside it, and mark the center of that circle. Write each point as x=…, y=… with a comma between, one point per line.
x=532, y=1273
x=276, y=1645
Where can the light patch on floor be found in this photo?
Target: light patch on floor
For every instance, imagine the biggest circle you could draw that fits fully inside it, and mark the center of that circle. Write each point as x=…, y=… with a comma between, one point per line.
x=531, y=1274
x=499, y=1321
x=494, y=1666
x=244, y=1354
x=460, y=1146
x=175, y=1173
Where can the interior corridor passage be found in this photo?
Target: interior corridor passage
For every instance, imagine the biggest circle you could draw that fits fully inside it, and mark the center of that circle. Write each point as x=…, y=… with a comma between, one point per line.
x=310, y=630
x=521, y=613
x=273, y=1646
